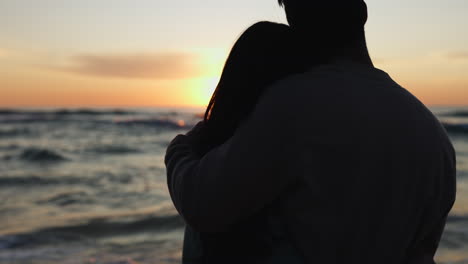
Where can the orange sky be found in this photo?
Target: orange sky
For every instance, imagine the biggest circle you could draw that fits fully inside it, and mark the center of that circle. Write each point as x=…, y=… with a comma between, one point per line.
x=117, y=53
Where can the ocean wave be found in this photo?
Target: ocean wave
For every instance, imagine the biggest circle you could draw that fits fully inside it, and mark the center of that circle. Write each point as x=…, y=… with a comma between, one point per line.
x=67, y=112
x=454, y=239
x=9, y=147
x=66, y=199
x=455, y=234
x=462, y=173
x=38, y=116
x=154, y=122
x=167, y=121
x=33, y=180
x=30, y=240
x=113, y=149
x=457, y=113
x=15, y=132
x=95, y=228
x=97, y=180
x=41, y=155
x=10, y=181
x=457, y=218
x=459, y=129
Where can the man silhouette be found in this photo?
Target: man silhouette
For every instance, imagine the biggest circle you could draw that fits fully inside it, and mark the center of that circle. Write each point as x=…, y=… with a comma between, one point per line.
x=360, y=171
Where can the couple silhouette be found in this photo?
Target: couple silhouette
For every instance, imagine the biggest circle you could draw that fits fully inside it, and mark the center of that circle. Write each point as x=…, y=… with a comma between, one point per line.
x=309, y=154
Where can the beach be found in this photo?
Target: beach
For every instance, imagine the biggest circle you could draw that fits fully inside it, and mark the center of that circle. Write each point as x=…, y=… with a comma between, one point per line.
x=89, y=185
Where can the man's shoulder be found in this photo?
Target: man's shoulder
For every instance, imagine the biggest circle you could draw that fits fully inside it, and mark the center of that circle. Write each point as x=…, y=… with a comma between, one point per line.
x=335, y=75
x=301, y=84
x=329, y=84
x=344, y=92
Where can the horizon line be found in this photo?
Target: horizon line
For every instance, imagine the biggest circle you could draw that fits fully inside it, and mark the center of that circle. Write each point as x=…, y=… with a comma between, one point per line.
x=156, y=106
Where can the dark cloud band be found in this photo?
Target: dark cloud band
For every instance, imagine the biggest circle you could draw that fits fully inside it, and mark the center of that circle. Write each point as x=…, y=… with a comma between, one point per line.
x=461, y=55
x=141, y=66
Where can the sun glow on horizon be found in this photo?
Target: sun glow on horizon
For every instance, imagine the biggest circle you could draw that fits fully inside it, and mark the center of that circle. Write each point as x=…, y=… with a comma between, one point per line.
x=203, y=89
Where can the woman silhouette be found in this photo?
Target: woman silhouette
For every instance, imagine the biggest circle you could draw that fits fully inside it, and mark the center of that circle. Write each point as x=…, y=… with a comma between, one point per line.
x=263, y=54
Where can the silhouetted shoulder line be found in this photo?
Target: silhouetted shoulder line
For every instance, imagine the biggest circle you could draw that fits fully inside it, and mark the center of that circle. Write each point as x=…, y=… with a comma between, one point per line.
x=349, y=67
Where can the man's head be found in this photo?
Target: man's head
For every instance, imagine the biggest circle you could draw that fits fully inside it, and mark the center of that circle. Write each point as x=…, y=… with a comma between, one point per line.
x=326, y=14
x=332, y=24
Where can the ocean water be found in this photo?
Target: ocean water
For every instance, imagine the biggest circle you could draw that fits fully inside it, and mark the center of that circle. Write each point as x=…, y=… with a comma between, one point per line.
x=89, y=186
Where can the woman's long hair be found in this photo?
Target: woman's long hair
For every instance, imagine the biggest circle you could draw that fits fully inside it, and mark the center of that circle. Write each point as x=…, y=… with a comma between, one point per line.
x=263, y=54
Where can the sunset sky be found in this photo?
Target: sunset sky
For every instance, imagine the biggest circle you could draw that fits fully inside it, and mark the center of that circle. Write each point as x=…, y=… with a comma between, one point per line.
x=67, y=53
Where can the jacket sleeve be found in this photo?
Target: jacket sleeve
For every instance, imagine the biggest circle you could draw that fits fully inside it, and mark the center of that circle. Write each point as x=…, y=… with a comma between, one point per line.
x=235, y=179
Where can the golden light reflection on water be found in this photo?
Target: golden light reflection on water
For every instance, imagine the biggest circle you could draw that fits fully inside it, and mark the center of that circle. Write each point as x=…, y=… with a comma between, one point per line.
x=181, y=123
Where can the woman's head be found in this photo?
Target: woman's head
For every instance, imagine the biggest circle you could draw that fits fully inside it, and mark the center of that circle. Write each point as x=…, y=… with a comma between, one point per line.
x=263, y=54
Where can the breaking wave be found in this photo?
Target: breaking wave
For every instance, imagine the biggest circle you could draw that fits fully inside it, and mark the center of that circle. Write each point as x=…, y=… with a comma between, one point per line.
x=154, y=122
x=459, y=129
x=459, y=113
x=94, y=228
x=114, y=149
x=456, y=234
x=66, y=199
x=15, y=132
x=66, y=112
x=37, y=180
x=41, y=155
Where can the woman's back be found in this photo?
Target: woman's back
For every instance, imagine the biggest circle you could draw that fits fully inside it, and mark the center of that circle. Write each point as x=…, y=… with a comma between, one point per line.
x=263, y=55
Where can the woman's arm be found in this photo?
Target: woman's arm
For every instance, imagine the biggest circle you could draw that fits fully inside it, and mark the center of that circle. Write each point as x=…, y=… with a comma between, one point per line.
x=236, y=179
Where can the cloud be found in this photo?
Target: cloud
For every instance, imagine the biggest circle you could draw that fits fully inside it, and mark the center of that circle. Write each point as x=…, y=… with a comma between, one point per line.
x=138, y=66
x=459, y=55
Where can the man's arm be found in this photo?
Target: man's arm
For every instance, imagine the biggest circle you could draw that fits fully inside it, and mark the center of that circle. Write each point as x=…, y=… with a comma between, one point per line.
x=237, y=178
